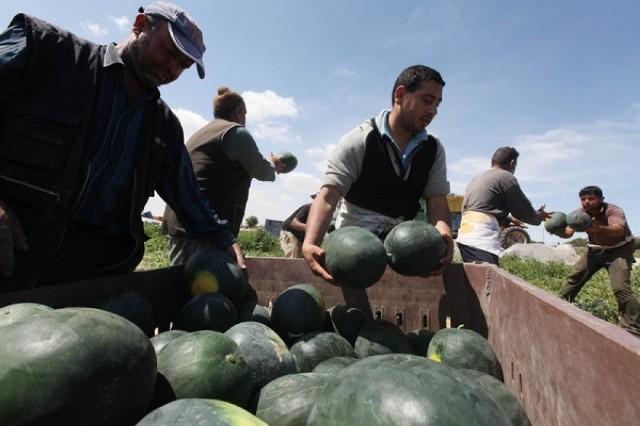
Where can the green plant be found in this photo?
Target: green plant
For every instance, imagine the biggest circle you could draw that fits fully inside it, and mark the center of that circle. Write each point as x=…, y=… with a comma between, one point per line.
x=259, y=243
x=251, y=221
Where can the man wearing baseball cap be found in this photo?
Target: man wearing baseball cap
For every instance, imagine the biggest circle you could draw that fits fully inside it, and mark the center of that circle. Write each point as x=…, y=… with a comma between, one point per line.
x=85, y=140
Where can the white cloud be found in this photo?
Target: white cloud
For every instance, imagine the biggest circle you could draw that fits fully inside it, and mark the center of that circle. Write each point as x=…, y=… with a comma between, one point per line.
x=320, y=155
x=268, y=104
x=122, y=22
x=191, y=121
x=95, y=29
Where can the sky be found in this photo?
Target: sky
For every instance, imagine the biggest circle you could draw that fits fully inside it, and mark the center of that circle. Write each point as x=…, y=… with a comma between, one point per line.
x=559, y=80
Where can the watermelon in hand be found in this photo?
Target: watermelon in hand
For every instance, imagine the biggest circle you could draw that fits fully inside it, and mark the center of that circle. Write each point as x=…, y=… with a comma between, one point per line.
x=578, y=220
x=289, y=160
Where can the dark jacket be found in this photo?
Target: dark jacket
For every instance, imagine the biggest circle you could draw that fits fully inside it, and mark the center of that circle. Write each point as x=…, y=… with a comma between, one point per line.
x=44, y=159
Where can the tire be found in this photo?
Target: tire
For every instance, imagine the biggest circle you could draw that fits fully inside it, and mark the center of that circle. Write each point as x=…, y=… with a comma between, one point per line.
x=513, y=235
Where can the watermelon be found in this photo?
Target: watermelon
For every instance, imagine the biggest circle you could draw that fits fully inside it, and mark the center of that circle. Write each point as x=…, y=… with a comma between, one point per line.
x=289, y=160
x=333, y=365
x=288, y=400
x=578, y=220
x=354, y=256
x=75, y=366
x=200, y=412
x=381, y=337
x=133, y=306
x=502, y=395
x=215, y=271
x=556, y=222
x=263, y=350
x=313, y=348
x=346, y=321
x=17, y=311
x=414, y=248
x=160, y=340
x=420, y=339
x=207, y=311
x=463, y=348
x=206, y=364
x=298, y=310
x=403, y=389
x=252, y=311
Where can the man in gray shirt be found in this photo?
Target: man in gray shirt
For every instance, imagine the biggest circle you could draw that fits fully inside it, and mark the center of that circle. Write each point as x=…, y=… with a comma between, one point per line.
x=491, y=200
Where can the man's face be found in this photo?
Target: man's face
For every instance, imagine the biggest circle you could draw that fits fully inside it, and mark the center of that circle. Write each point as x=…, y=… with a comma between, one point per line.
x=154, y=57
x=419, y=108
x=591, y=203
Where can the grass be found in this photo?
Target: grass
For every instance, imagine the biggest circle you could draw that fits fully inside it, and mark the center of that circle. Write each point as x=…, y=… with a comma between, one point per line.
x=596, y=296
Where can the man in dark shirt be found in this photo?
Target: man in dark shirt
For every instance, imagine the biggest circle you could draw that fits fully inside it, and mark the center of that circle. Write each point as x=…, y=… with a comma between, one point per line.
x=85, y=140
x=611, y=246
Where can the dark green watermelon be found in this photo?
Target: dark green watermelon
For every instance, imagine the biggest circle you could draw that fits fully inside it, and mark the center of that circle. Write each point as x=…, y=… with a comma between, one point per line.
x=381, y=337
x=200, y=412
x=17, y=311
x=502, y=395
x=287, y=400
x=253, y=311
x=160, y=340
x=333, y=365
x=263, y=350
x=215, y=271
x=419, y=340
x=206, y=364
x=414, y=248
x=346, y=321
x=556, y=222
x=403, y=389
x=463, y=348
x=313, y=348
x=207, y=311
x=289, y=160
x=298, y=310
x=133, y=306
x=579, y=220
x=75, y=366
x=354, y=256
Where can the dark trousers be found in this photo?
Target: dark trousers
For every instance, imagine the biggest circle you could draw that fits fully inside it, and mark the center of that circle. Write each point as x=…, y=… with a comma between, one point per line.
x=618, y=265
x=472, y=254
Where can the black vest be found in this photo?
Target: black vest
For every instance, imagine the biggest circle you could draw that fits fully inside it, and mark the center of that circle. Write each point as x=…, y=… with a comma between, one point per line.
x=380, y=189
x=224, y=183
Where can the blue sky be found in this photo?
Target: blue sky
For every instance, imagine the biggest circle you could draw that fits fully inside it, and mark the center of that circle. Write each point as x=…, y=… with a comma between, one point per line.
x=559, y=80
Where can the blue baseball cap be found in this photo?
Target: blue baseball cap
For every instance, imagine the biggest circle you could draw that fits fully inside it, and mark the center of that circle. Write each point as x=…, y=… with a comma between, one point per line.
x=183, y=29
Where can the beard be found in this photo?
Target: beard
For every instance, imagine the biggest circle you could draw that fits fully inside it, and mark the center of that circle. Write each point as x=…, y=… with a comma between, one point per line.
x=132, y=56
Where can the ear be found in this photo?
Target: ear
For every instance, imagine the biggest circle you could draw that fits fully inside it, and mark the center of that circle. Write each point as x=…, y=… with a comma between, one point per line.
x=399, y=93
x=140, y=23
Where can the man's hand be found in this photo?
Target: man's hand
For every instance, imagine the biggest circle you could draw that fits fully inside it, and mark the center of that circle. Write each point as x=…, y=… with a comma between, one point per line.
x=544, y=215
x=12, y=239
x=314, y=256
x=447, y=258
x=236, y=252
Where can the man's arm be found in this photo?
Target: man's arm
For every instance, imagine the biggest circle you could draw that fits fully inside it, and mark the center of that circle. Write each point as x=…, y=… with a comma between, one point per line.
x=318, y=222
x=438, y=215
x=239, y=145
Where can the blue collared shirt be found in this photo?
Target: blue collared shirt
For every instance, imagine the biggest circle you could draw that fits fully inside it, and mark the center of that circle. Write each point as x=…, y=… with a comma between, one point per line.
x=411, y=146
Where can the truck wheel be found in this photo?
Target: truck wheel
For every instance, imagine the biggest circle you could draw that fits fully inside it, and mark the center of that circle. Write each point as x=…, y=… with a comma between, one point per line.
x=513, y=235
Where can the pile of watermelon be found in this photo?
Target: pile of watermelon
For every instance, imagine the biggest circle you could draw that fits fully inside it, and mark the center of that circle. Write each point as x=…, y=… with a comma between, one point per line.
x=237, y=362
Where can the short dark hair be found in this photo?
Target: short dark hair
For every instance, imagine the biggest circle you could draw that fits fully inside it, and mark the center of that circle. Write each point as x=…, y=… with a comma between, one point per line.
x=413, y=77
x=590, y=190
x=503, y=156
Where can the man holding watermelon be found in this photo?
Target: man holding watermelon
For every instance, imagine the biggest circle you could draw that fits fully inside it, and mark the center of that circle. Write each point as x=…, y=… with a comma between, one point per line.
x=611, y=246
x=382, y=168
x=85, y=139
